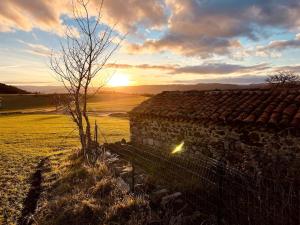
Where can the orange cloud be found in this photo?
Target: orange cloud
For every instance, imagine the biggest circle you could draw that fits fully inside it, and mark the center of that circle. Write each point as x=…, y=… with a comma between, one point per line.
x=209, y=68
x=130, y=13
x=25, y=15
x=46, y=14
x=188, y=46
x=142, y=66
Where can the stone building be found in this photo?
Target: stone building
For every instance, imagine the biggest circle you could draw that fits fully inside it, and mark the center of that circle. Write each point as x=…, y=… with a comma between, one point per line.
x=256, y=131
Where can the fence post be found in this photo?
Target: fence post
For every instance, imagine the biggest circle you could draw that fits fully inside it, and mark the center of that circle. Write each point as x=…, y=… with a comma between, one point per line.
x=298, y=204
x=220, y=174
x=96, y=132
x=132, y=177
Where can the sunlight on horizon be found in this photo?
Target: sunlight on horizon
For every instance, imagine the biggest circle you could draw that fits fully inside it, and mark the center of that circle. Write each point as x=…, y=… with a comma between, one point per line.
x=119, y=80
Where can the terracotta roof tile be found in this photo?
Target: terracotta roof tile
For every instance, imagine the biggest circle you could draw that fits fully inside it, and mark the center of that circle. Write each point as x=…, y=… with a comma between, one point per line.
x=280, y=108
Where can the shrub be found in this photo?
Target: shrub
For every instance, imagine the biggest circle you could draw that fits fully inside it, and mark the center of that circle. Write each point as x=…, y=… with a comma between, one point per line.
x=129, y=209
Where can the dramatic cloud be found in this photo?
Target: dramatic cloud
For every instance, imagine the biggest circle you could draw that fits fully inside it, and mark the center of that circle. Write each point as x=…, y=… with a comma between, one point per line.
x=241, y=79
x=228, y=30
x=46, y=15
x=219, y=18
x=191, y=27
x=294, y=68
x=25, y=15
x=211, y=68
x=221, y=69
x=278, y=46
x=207, y=28
x=188, y=46
x=131, y=13
x=142, y=66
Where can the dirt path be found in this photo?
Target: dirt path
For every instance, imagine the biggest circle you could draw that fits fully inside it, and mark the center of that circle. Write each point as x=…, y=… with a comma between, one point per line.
x=34, y=193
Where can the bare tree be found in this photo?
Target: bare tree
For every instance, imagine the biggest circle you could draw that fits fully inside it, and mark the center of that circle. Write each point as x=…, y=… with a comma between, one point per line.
x=283, y=79
x=79, y=61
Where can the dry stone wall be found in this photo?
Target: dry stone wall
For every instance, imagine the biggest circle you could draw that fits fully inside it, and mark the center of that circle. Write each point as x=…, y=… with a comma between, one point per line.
x=252, y=149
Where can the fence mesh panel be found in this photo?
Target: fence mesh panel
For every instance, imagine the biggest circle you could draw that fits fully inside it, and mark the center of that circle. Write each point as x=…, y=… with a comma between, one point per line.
x=217, y=189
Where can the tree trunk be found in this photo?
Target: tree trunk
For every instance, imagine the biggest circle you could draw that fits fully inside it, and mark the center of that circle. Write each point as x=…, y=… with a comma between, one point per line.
x=88, y=131
x=82, y=135
x=82, y=140
x=88, y=124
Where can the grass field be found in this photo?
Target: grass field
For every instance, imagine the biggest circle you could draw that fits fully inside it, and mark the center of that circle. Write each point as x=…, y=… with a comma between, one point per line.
x=25, y=139
x=21, y=102
x=108, y=102
x=115, y=102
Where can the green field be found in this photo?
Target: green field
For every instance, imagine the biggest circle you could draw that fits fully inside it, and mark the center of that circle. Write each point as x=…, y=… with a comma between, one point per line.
x=107, y=102
x=24, y=139
x=115, y=102
x=22, y=102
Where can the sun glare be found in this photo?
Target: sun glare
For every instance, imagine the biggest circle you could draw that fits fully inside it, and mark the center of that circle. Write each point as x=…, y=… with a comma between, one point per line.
x=118, y=80
x=178, y=148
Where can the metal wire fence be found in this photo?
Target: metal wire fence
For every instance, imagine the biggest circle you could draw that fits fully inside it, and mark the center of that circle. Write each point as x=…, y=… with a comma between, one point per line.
x=216, y=189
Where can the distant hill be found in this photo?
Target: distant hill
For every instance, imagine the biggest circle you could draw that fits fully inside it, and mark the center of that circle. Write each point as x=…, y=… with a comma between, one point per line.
x=44, y=89
x=7, y=89
x=155, y=89
x=151, y=89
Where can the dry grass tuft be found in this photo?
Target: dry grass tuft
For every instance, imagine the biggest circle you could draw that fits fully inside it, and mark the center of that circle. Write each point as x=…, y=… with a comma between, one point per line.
x=71, y=209
x=104, y=187
x=129, y=209
x=89, y=195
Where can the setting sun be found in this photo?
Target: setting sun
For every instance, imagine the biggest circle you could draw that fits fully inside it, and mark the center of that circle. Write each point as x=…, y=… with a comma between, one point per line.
x=118, y=80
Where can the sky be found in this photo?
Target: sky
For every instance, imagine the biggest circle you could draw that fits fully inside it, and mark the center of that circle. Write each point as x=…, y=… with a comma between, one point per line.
x=167, y=41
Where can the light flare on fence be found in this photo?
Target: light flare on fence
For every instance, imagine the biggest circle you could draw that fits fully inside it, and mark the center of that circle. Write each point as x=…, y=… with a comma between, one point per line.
x=178, y=148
